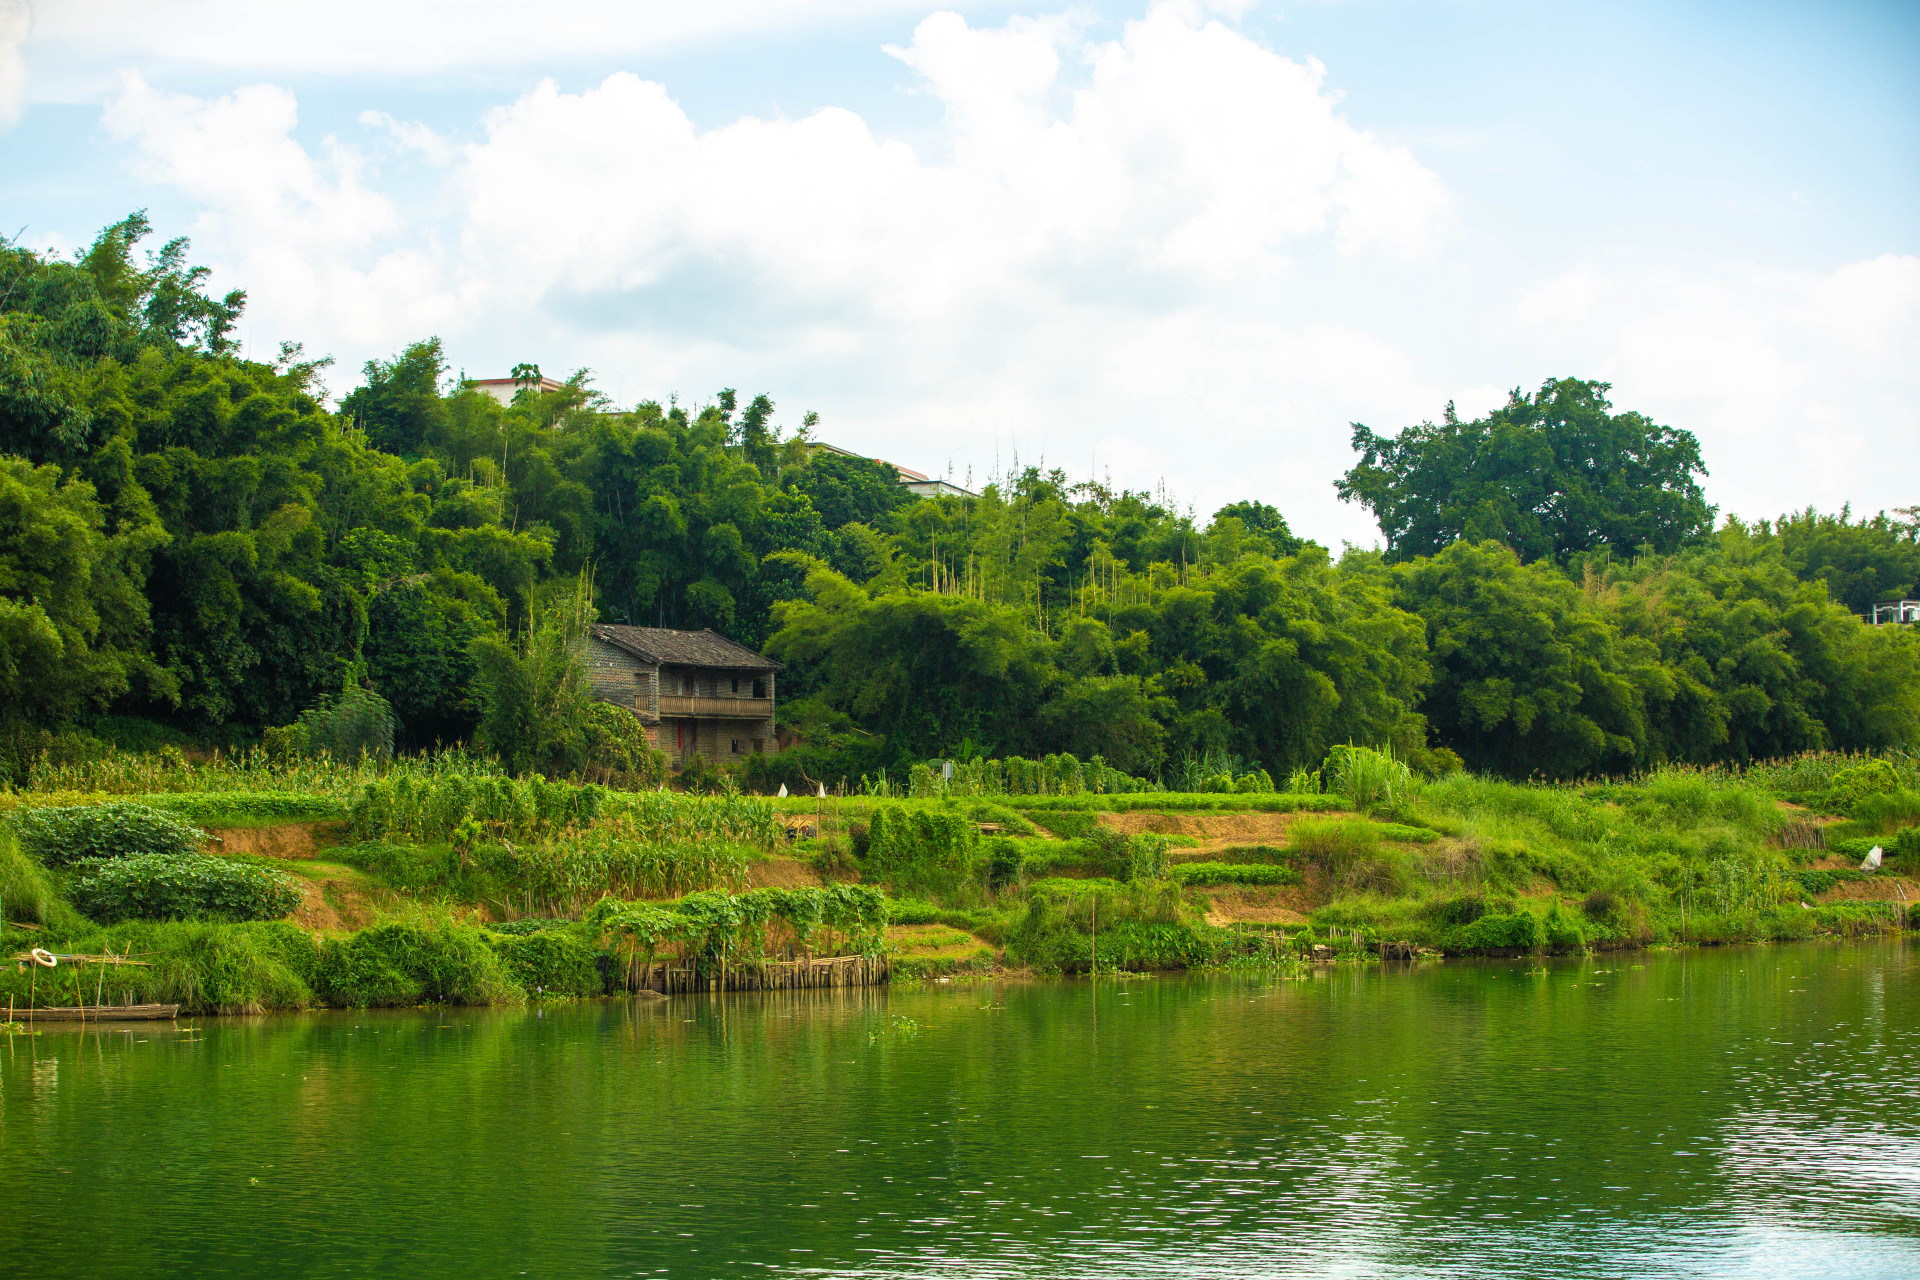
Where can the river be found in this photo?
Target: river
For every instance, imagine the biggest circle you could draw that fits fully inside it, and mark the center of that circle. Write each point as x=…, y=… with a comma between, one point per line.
x=1740, y=1112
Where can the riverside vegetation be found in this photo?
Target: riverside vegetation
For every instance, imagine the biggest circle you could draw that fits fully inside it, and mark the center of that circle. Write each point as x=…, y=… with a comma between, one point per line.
x=444, y=879
x=291, y=705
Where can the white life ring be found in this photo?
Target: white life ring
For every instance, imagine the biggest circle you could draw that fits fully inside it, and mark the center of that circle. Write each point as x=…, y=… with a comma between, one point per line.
x=45, y=959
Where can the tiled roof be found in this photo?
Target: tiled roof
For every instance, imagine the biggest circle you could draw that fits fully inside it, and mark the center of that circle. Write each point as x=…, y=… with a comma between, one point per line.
x=706, y=648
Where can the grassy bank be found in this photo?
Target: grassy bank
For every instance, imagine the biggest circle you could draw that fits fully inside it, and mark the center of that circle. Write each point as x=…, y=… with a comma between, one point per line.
x=429, y=884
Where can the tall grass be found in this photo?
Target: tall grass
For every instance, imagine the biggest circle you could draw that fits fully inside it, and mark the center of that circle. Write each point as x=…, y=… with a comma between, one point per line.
x=1370, y=779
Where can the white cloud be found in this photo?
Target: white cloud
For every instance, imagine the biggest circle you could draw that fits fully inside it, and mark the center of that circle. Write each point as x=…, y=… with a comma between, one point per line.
x=416, y=36
x=1803, y=386
x=16, y=20
x=1099, y=256
x=301, y=232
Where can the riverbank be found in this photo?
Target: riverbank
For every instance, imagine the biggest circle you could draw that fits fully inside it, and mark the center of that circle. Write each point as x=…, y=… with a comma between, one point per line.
x=433, y=886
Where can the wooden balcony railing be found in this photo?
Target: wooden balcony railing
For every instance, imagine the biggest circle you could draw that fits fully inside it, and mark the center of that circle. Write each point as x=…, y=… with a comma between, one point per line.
x=716, y=708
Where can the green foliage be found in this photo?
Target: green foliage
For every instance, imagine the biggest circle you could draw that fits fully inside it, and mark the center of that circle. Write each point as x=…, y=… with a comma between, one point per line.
x=27, y=892
x=1546, y=474
x=615, y=749
x=118, y=829
x=536, y=710
x=237, y=808
x=1527, y=679
x=403, y=808
x=1138, y=925
x=551, y=963
x=716, y=927
x=408, y=964
x=73, y=619
x=1498, y=934
x=164, y=886
x=1146, y=858
x=1369, y=779
x=570, y=874
x=910, y=845
x=1852, y=786
x=357, y=725
x=1875, y=558
x=1217, y=873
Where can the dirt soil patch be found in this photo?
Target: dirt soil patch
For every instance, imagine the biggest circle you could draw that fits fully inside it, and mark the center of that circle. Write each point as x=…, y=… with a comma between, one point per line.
x=335, y=898
x=298, y=840
x=781, y=873
x=1214, y=831
x=1879, y=888
x=1257, y=904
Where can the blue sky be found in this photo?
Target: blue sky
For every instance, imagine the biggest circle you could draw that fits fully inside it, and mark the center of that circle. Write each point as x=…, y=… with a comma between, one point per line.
x=1177, y=243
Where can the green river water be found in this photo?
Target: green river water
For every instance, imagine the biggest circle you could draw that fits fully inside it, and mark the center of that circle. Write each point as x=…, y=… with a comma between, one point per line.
x=1744, y=1112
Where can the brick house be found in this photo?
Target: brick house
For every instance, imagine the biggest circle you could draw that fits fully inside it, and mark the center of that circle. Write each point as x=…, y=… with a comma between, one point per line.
x=693, y=690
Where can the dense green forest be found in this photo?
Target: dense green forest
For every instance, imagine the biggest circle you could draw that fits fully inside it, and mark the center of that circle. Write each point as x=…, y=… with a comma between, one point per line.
x=195, y=544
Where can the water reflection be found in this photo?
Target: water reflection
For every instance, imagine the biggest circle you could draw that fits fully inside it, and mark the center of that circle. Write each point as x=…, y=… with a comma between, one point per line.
x=1722, y=1113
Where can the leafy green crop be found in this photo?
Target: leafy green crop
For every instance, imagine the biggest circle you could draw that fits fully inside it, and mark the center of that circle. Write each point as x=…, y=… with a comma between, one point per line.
x=161, y=886
x=118, y=829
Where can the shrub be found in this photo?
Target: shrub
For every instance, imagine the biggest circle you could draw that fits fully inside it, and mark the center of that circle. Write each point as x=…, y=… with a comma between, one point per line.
x=616, y=749
x=406, y=964
x=914, y=843
x=1851, y=786
x=1561, y=931
x=553, y=963
x=118, y=829
x=1147, y=857
x=357, y=725
x=158, y=886
x=1518, y=931
x=1005, y=863
x=1599, y=905
x=1463, y=910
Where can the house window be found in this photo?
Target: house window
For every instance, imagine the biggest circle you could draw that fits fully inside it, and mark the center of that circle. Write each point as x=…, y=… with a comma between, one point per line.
x=735, y=744
x=759, y=746
x=759, y=688
x=736, y=684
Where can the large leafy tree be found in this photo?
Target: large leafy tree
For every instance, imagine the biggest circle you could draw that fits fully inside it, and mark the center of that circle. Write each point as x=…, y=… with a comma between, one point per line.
x=1546, y=474
x=73, y=618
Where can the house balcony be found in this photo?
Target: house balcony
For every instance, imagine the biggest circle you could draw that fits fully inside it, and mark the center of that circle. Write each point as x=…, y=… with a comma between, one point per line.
x=715, y=708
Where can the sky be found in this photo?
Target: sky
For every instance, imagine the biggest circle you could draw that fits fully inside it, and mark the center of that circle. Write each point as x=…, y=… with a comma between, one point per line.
x=1172, y=245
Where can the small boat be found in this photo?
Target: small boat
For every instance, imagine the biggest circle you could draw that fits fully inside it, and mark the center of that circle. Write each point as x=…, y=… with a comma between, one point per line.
x=98, y=1013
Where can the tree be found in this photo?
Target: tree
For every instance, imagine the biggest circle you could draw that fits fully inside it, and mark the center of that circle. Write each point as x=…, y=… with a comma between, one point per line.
x=1526, y=678
x=849, y=490
x=73, y=618
x=1546, y=474
x=1264, y=524
x=925, y=670
x=535, y=704
x=1876, y=558
x=400, y=407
